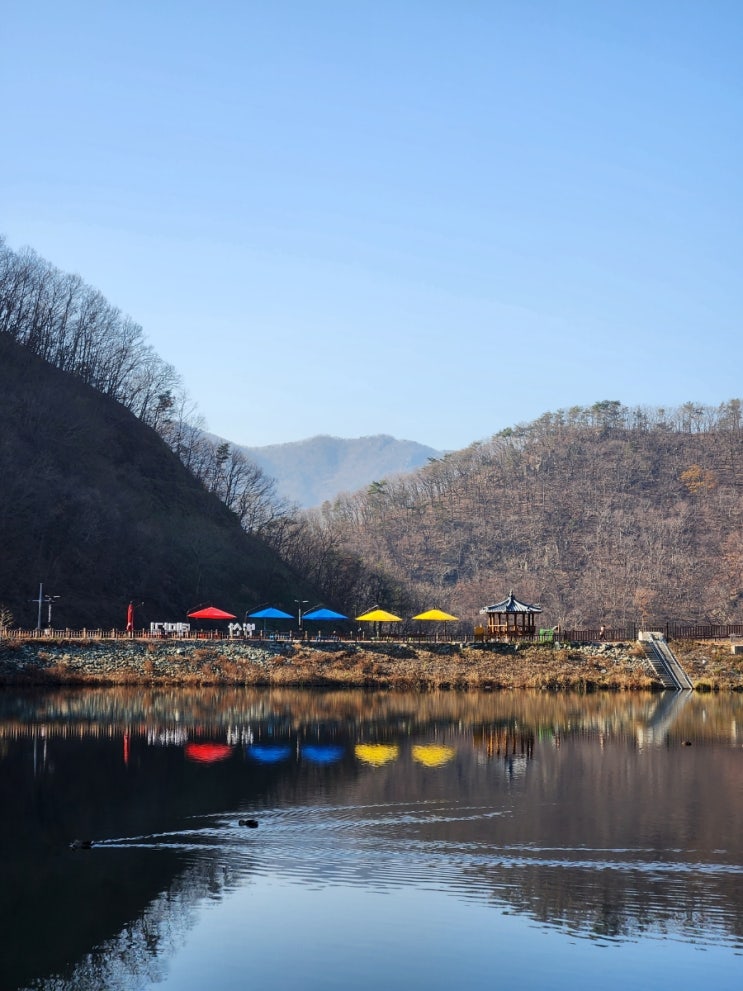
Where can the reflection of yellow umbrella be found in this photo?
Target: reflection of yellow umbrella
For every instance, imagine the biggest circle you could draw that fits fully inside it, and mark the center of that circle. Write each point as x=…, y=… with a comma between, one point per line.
x=437, y=615
x=377, y=754
x=433, y=754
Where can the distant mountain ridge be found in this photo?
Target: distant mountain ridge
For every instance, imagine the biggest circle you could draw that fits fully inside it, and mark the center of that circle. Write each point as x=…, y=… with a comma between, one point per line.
x=309, y=472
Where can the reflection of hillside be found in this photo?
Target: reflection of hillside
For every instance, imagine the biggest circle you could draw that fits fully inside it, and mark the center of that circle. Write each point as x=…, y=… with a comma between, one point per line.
x=609, y=905
x=646, y=718
x=558, y=807
x=137, y=954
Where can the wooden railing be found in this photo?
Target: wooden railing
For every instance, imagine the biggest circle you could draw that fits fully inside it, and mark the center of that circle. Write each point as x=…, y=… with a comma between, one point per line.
x=588, y=635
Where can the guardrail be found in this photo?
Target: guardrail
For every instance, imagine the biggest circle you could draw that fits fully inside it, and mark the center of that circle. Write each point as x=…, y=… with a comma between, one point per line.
x=588, y=635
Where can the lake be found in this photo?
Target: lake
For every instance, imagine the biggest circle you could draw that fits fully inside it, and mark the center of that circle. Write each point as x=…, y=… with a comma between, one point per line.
x=401, y=840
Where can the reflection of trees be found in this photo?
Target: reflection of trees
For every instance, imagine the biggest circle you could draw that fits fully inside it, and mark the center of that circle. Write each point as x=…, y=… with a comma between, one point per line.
x=617, y=904
x=139, y=952
x=557, y=806
x=111, y=711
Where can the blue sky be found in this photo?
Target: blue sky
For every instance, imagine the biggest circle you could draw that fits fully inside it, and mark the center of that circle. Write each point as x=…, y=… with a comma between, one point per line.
x=428, y=219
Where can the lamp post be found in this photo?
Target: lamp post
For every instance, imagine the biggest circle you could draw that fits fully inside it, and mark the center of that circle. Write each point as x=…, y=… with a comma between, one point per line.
x=300, y=603
x=40, y=601
x=48, y=599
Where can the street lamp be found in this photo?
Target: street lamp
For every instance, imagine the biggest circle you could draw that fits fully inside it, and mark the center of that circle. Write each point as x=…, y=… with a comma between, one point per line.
x=300, y=603
x=48, y=599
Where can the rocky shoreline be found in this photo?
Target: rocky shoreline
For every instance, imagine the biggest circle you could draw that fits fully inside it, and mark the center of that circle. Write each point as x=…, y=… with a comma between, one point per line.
x=425, y=667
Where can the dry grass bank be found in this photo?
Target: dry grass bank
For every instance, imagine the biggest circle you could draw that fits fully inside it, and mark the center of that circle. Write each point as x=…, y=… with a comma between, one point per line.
x=403, y=667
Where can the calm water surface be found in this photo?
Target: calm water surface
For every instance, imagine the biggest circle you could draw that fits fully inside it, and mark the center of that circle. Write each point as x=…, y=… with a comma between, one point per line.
x=433, y=840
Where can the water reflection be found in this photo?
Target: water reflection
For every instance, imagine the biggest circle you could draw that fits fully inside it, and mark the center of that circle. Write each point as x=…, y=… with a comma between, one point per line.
x=606, y=818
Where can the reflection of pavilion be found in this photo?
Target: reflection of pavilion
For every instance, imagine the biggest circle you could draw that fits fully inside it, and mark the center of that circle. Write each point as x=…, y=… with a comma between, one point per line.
x=511, y=619
x=505, y=740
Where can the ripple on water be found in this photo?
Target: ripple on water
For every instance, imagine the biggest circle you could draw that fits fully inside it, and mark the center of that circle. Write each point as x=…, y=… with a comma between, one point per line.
x=391, y=845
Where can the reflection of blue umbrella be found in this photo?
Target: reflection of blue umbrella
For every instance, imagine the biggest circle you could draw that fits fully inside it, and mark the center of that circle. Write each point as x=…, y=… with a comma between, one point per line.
x=328, y=754
x=324, y=614
x=269, y=753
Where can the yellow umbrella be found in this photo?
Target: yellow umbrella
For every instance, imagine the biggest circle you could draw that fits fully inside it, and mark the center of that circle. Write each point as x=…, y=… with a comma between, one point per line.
x=377, y=754
x=433, y=754
x=378, y=616
x=437, y=615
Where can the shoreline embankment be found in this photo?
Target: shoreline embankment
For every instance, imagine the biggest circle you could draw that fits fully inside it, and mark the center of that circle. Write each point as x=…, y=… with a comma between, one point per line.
x=380, y=665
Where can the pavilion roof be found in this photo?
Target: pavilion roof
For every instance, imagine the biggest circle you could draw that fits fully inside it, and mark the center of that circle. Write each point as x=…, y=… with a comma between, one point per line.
x=511, y=604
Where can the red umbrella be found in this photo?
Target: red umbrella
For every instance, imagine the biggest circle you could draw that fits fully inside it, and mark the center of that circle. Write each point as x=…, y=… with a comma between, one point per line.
x=211, y=612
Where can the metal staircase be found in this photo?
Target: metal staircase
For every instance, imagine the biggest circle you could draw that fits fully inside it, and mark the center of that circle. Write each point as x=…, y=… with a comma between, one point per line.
x=664, y=662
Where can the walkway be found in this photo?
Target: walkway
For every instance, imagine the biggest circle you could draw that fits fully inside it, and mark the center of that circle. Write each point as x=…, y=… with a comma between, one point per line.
x=664, y=662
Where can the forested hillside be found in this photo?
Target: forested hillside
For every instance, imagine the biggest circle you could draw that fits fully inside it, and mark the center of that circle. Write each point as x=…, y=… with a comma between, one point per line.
x=94, y=505
x=602, y=515
x=73, y=327
x=69, y=326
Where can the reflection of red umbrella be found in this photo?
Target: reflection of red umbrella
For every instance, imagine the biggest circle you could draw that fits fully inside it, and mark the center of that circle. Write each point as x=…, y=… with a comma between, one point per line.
x=207, y=753
x=211, y=612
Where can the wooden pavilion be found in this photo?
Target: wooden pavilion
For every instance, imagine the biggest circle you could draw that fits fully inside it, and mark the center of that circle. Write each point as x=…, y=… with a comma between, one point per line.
x=511, y=619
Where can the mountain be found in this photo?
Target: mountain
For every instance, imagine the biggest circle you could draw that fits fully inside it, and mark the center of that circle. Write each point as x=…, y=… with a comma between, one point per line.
x=309, y=472
x=96, y=506
x=602, y=515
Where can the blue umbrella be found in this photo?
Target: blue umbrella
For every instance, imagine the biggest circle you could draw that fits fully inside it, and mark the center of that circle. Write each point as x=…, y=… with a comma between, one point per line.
x=320, y=614
x=270, y=613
